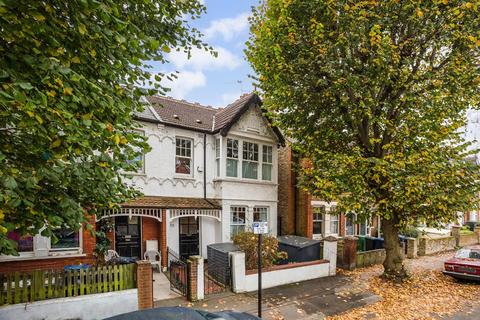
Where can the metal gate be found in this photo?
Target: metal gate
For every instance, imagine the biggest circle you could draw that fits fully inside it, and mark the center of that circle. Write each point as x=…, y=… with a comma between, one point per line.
x=213, y=284
x=178, y=275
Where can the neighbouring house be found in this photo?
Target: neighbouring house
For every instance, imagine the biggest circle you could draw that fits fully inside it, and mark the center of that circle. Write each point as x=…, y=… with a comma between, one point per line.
x=302, y=214
x=210, y=173
x=39, y=252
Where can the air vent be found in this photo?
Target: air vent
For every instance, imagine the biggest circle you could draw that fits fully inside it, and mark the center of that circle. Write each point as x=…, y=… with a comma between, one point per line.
x=198, y=121
x=176, y=116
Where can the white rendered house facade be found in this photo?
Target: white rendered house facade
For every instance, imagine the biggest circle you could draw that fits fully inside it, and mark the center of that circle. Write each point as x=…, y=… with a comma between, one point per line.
x=210, y=174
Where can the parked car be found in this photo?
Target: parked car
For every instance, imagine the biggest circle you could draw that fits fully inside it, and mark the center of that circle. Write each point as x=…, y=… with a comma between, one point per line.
x=180, y=313
x=465, y=264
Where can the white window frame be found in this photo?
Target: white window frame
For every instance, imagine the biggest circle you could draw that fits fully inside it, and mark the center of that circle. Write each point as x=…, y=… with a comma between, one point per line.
x=353, y=217
x=263, y=162
x=237, y=224
x=267, y=212
x=257, y=162
x=185, y=157
x=218, y=152
x=334, y=220
x=232, y=158
x=322, y=220
x=76, y=249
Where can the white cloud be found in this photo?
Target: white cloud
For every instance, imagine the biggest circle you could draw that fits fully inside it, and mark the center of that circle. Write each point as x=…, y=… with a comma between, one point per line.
x=228, y=28
x=185, y=82
x=203, y=60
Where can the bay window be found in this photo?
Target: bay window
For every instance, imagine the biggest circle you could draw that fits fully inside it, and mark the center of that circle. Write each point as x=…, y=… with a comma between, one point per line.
x=232, y=158
x=183, y=156
x=250, y=160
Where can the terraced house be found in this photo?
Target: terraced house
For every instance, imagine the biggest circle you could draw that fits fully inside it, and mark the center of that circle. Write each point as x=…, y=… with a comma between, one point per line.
x=211, y=173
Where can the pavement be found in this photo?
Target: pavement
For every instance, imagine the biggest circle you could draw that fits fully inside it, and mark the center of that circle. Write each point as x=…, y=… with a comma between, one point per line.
x=313, y=299
x=319, y=298
x=161, y=287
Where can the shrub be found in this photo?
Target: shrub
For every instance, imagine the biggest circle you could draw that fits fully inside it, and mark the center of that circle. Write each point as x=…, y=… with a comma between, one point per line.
x=248, y=243
x=410, y=232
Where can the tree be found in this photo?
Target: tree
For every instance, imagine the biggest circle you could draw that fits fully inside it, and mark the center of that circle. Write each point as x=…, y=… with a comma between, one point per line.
x=375, y=94
x=70, y=73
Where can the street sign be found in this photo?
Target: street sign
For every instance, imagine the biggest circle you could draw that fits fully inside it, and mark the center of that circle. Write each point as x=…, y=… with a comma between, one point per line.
x=260, y=227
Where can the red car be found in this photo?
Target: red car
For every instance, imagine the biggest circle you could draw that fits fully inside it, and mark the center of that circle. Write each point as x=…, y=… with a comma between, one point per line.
x=465, y=264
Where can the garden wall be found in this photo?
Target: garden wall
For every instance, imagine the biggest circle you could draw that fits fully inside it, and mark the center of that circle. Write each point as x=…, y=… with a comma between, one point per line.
x=370, y=258
x=89, y=307
x=468, y=239
x=282, y=274
x=431, y=245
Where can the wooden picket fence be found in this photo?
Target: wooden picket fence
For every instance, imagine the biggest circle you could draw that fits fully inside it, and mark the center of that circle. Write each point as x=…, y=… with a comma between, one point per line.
x=23, y=287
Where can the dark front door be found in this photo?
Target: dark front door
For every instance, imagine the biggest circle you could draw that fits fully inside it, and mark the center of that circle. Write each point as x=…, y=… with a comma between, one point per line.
x=127, y=236
x=189, y=237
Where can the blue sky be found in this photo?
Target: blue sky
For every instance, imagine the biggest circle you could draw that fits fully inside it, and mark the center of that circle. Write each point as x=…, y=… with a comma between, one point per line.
x=208, y=80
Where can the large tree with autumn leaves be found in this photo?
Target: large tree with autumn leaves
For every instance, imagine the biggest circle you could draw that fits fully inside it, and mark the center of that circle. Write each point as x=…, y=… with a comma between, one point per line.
x=375, y=94
x=70, y=73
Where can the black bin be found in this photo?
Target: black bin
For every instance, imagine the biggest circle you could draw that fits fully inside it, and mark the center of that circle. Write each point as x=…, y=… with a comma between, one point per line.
x=219, y=261
x=369, y=243
x=378, y=243
x=299, y=249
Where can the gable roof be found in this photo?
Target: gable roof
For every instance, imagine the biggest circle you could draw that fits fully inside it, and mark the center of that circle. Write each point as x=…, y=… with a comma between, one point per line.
x=206, y=119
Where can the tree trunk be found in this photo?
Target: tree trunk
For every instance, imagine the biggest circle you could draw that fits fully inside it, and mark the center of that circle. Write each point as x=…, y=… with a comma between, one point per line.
x=393, y=265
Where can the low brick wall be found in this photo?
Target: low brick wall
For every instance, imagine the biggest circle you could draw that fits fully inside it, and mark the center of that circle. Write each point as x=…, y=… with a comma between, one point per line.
x=430, y=245
x=468, y=239
x=370, y=258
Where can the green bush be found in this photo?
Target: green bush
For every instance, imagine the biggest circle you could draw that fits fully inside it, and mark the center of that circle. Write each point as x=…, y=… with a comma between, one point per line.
x=410, y=232
x=248, y=243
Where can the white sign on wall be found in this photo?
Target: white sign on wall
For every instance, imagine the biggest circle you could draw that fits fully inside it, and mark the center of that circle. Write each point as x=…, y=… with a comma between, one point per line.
x=260, y=227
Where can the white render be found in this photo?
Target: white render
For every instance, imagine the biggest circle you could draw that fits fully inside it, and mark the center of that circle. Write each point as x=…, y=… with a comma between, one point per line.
x=88, y=307
x=159, y=178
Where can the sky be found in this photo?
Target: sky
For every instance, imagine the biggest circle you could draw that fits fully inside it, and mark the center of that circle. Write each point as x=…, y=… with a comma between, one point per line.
x=220, y=81
x=204, y=78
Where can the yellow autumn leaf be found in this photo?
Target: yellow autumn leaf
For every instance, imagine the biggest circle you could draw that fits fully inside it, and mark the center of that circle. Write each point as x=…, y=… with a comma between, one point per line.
x=103, y=164
x=2, y=215
x=75, y=60
x=93, y=53
x=30, y=114
x=51, y=93
x=116, y=139
x=56, y=143
x=68, y=91
x=3, y=229
x=39, y=119
x=82, y=29
x=59, y=82
x=419, y=13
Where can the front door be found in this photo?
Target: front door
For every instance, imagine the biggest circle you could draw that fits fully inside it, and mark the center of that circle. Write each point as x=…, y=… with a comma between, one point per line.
x=189, y=237
x=127, y=236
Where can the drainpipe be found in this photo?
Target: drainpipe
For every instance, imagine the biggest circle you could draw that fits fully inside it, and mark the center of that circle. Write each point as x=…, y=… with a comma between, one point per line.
x=204, y=166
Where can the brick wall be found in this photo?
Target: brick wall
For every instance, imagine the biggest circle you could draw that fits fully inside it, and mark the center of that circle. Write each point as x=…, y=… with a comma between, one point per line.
x=144, y=285
x=150, y=231
x=56, y=263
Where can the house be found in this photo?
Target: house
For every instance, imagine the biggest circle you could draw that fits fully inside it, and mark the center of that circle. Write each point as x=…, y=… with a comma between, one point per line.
x=210, y=173
x=301, y=214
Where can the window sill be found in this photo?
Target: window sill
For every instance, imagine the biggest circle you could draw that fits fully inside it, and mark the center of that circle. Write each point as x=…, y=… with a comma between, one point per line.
x=244, y=180
x=183, y=177
x=135, y=174
x=55, y=255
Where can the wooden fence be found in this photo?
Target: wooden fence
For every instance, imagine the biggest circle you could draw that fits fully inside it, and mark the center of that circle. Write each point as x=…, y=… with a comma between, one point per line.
x=23, y=287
